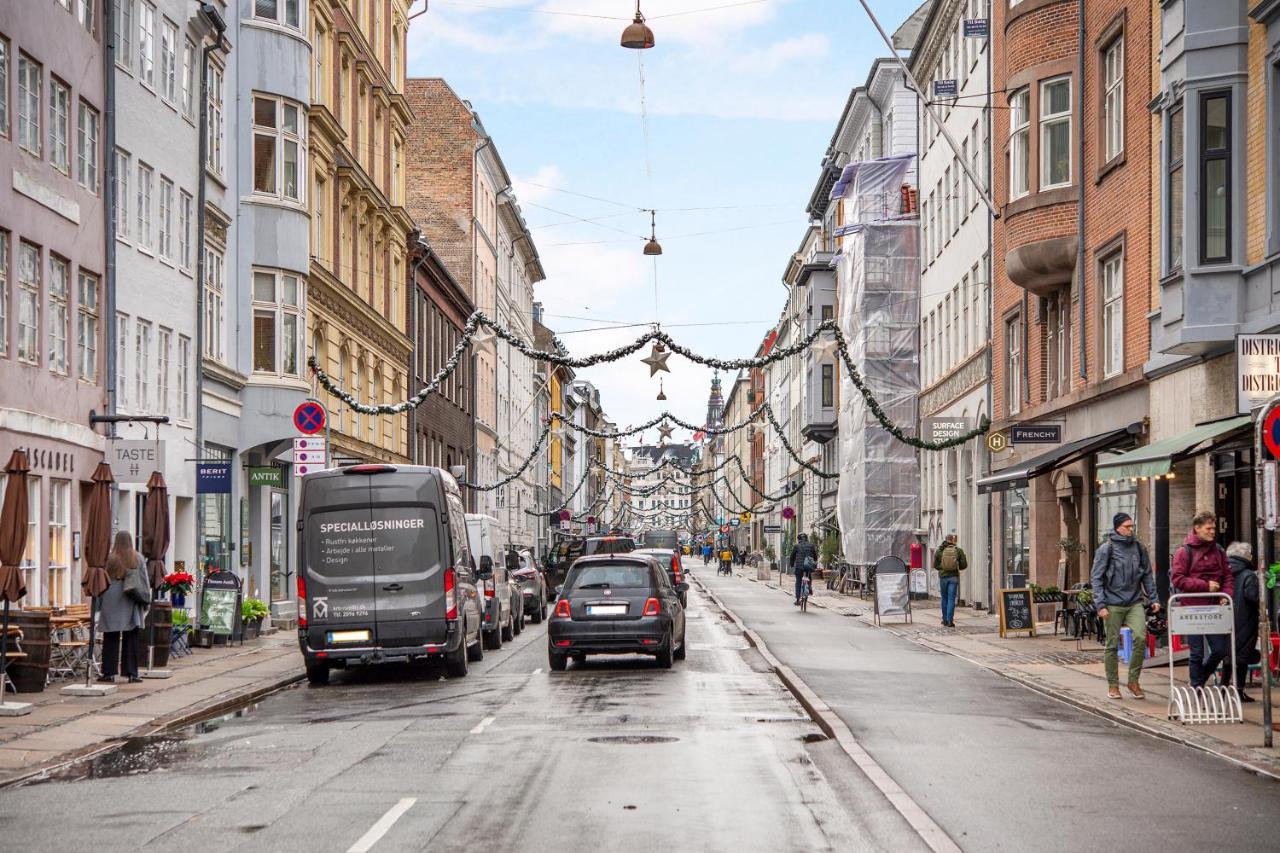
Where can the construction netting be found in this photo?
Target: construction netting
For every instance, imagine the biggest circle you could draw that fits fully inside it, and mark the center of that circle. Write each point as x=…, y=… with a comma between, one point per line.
x=878, y=282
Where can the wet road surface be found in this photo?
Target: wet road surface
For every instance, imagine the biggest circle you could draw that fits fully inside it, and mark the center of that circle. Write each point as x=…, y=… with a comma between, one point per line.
x=614, y=754
x=998, y=766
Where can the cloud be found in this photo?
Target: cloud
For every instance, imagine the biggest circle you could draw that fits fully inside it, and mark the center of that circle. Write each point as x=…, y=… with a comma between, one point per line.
x=775, y=56
x=540, y=186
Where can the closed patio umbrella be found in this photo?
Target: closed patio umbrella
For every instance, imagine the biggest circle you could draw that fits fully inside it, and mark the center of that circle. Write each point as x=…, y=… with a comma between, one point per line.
x=13, y=542
x=155, y=542
x=97, y=547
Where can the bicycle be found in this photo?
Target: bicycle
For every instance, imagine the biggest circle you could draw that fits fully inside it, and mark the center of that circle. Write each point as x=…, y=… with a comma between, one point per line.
x=806, y=587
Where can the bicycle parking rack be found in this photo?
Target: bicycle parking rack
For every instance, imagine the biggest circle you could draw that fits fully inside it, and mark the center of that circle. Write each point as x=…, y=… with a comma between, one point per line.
x=1211, y=703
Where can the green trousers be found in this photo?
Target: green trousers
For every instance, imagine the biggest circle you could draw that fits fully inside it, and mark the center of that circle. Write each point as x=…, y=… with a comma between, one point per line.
x=1135, y=618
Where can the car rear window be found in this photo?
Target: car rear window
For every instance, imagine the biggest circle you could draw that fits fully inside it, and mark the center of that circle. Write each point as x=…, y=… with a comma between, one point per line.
x=615, y=575
x=613, y=545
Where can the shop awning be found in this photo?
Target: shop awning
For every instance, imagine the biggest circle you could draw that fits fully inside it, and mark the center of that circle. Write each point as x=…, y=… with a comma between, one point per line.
x=1018, y=475
x=1157, y=458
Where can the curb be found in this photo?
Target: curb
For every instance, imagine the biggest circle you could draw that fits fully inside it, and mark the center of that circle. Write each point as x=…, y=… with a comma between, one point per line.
x=203, y=710
x=835, y=728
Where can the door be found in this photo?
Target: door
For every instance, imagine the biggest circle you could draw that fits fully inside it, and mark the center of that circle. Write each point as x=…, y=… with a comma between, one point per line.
x=338, y=550
x=407, y=560
x=279, y=555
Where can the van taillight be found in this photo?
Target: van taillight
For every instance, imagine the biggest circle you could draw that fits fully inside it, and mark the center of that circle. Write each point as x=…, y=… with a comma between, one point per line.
x=302, y=601
x=489, y=588
x=450, y=595
x=651, y=607
x=562, y=609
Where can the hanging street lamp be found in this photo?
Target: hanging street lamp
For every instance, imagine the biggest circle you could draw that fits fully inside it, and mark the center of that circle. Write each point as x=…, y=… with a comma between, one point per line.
x=637, y=35
x=653, y=247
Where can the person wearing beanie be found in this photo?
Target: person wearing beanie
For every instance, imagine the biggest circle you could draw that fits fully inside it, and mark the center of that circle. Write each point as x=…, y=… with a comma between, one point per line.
x=1121, y=579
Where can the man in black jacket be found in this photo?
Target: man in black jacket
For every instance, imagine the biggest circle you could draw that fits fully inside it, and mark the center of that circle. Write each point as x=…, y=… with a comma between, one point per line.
x=804, y=559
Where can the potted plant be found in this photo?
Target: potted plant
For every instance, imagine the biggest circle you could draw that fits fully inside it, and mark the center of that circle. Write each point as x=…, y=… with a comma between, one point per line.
x=178, y=586
x=252, y=612
x=1045, y=594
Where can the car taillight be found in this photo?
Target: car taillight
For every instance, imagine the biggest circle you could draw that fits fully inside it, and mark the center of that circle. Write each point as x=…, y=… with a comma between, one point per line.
x=302, y=601
x=651, y=607
x=562, y=608
x=489, y=588
x=675, y=567
x=450, y=594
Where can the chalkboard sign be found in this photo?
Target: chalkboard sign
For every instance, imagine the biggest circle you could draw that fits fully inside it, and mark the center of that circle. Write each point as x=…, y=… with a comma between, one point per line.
x=220, y=603
x=1017, y=611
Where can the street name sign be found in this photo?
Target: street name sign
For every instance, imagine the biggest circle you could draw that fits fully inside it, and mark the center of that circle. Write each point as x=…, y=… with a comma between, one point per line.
x=976, y=28
x=1035, y=434
x=1257, y=370
x=132, y=461
x=945, y=88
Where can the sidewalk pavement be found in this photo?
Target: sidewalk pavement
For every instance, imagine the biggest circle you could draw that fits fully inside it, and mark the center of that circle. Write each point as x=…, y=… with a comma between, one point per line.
x=1053, y=665
x=64, y=728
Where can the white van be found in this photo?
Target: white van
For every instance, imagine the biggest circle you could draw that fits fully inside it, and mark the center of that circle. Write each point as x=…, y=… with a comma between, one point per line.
x=499, y=616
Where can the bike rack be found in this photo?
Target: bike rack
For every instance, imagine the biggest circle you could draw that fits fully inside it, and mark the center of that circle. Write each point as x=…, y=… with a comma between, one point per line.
x=1212, y=703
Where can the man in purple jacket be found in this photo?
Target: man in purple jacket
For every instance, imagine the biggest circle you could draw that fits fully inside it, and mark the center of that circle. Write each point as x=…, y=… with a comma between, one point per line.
x=1200, y=565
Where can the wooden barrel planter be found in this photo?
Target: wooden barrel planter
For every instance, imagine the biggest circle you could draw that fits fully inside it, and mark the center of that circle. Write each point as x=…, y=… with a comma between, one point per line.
x=31, y=674
x=159, y=632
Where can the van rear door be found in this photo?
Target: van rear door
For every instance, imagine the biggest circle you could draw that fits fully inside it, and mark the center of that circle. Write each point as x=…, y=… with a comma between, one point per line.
x=407, y=559
x=337, y=554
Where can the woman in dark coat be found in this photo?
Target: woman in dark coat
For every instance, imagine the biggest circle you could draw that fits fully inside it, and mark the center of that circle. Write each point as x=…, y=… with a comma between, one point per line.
x=1245, y=601
x=121, y=618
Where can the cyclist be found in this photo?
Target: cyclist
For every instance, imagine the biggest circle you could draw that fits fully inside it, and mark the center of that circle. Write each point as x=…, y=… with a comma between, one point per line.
x=726, y=560
x=804, y=559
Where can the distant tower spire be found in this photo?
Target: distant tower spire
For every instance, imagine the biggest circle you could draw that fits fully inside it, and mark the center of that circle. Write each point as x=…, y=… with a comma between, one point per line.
x=715, y=404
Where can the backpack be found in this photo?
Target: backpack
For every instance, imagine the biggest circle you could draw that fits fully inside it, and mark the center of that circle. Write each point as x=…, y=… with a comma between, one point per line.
x=950, y=561
x=809, y=563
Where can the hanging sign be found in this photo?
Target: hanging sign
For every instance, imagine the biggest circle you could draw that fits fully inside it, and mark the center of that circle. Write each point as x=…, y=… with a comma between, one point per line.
x=1257, y=370
x=268, y=475
x=945, y=88
x=976, y=28
x=1035, y=434
x=132, y=461
x=213, y=478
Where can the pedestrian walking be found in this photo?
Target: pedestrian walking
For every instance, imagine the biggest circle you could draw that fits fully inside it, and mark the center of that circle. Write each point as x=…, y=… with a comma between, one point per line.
x=1121, y=579
x=950, y=561
x=1200, y=565
x=1245, y=601
x=804, y=559
x=121, y=617
x=706, y=553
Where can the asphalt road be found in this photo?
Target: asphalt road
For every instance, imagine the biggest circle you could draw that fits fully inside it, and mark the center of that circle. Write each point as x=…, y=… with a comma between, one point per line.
x=611, y=755
x=998, y=766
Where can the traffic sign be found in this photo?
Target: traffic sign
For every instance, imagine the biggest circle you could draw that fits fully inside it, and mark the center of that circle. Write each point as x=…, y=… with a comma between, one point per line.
x=309, y=417
x=1271, y=432
x=309, y=455
x=788, y=512
x=724, y=528
x=746, y=516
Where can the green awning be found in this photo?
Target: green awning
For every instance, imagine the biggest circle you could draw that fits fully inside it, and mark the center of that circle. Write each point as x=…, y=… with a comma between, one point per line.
x=1157, y=458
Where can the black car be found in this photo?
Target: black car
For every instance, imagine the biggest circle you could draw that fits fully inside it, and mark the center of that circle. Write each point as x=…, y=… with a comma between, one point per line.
x=617, y=604
x=669, y=559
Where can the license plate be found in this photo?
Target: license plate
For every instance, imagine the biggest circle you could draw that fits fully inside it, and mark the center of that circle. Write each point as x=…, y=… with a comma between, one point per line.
x=606, y=609
x=348, y=636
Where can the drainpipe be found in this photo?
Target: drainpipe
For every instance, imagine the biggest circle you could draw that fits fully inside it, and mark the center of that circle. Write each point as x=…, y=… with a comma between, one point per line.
x=109, y=221
x=1080, y=250
x=419, y=245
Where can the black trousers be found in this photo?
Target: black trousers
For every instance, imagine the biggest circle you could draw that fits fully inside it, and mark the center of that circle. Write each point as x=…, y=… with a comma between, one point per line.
x=112, y=661
x=1203, y=664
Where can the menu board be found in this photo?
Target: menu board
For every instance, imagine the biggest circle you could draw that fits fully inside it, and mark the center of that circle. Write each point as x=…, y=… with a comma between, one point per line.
x=1017, y=611
x=220, y=603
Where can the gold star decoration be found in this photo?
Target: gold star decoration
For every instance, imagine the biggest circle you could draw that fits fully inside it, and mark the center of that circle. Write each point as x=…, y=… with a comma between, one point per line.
x=657, y=360
x=665, y=431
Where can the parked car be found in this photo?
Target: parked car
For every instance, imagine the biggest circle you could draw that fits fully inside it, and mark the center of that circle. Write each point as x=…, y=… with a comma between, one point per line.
x=499, y=615
x=533, y=586
x=617, y=604
x=384, y=570
x=669, y=558
x=593, y=545
x=559, y=561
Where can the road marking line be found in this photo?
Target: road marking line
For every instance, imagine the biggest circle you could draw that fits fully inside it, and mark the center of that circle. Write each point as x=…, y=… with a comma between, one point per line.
x=538, y=670
x=482, y=725
x=379, y=829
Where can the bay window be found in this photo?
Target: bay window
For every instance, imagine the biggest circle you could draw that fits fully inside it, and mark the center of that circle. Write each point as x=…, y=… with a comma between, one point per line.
x=278, y=146
x=286, y=12
x=277, y=323
x=1055, y=133
x=1215, y=178
x=1019, y=143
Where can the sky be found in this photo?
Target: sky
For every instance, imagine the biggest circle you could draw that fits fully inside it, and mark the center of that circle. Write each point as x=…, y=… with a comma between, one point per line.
x=721, y=127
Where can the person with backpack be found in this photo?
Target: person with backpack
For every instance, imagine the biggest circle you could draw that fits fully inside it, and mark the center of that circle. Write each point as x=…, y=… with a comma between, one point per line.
x=1121, y=579
x=950, y=561
x=804, y=560
x=1201, y=566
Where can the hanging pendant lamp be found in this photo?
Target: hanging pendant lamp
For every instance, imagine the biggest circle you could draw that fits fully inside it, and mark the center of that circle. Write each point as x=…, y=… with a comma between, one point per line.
x=637, y=35
x=662, y=395
x=653, y=247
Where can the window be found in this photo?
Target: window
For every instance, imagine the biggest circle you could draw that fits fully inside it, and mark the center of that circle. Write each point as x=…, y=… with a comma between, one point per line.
x=828, y=386
x=277, y=323
x=319, y=85
x=373, y=401
x=1215, y=178
x=188, y=78
x=29, y=92
x=147, y=43
x=956, y=210
x=185, y=210
x=4, y=88
x=277, y=147
x=122, y=194
x=169, y=62
x=59, y=539
x=945, y=219
x=142, y=364
x=146, y=176
x=213, y=303
x=122, y=359
x=356, y=384
x=84, y=13
x=1013, y=364
x=1113, y=101
x=214, y=128
x=4, y=293
x=184, y=378
x=287, y=12
x=319, y=218
x=164, y=341
x=1174, y=220
x=87, y=147
x=395, y=56
x=124, y=33
x=28, y=303
x=1019, y=143
x=1113, y=315
x=87, y=328
x=1057, y=345
x=1055, y=133
x=59, y=284
x=166, y=218
x=60, y=126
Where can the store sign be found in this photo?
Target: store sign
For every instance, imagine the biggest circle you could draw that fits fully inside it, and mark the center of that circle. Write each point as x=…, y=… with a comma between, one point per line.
x=268, y=475
x=213, y=478
x=1035, y=434
x=976, y=28
x=49, y=461
x=1257, y=370
x=946, y=429
x=132, y=461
